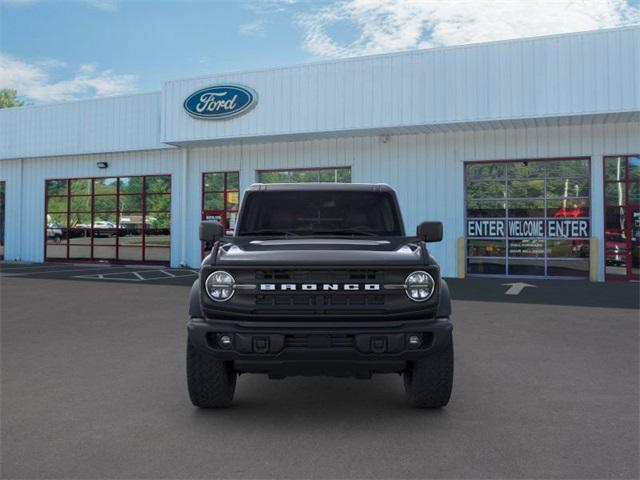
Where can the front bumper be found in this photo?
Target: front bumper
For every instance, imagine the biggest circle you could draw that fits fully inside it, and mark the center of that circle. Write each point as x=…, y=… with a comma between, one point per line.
x=338, y=349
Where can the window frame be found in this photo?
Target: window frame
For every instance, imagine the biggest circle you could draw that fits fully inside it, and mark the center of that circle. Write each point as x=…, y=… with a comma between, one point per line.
x=306, y=169
x=144, y=213
x=628, y=207
x=506, y=199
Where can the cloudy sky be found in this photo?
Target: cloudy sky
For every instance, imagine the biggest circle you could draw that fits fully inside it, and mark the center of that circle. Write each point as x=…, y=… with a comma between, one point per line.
x=54, y=50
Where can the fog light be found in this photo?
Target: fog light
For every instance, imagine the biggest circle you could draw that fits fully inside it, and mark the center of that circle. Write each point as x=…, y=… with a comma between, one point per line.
x=414, y=340
x=224, y=341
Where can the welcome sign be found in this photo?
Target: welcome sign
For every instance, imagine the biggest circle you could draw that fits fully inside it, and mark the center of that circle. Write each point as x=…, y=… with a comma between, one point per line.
x=526, y=228
x=220, y=102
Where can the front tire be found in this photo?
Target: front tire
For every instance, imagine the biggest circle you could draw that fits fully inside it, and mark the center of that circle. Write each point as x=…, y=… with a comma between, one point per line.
x=428, y=381
x=211, y=382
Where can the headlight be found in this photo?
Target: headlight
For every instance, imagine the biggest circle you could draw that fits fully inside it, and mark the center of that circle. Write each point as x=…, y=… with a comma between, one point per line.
x=419, y=286
x=220, y=286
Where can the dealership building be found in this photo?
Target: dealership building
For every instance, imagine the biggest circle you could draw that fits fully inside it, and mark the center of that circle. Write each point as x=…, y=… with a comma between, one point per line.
x=527, y=150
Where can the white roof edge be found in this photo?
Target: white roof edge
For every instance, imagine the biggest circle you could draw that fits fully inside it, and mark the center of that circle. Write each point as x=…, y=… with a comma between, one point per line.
x=409, y=52
x=79, y=100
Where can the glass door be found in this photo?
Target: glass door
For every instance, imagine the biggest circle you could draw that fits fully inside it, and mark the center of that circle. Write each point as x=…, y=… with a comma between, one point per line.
x=622, y=217
x=220, y=199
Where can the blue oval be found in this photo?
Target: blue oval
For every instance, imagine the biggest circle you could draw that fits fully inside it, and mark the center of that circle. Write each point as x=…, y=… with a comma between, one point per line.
x=220, y=101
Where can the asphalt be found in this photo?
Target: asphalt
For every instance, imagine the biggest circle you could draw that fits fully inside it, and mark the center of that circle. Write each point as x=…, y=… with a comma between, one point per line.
x=93, y=386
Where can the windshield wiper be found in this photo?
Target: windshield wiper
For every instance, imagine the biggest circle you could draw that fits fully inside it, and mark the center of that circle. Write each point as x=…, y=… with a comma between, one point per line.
x=268, y=231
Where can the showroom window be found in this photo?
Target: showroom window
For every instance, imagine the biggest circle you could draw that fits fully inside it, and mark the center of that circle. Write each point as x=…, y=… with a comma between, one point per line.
x=315, y=175
x=124, y=219
x=622, y=217
x=528, y=218
x=221, y=197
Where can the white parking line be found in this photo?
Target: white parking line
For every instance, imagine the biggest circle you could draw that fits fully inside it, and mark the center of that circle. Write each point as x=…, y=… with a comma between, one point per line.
x=37, y=272
x=135, y=276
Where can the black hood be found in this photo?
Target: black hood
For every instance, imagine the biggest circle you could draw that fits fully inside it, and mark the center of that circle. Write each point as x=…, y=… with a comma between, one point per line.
x=395, y=251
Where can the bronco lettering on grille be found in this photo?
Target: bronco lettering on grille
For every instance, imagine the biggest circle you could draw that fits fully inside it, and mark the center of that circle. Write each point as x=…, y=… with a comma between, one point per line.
x=319, y=286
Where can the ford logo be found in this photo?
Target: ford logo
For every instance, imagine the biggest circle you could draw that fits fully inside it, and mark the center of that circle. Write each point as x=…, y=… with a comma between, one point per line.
x=220, y=101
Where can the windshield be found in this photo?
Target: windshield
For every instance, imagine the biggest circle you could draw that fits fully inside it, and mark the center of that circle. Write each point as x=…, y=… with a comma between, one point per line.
x=332, y=213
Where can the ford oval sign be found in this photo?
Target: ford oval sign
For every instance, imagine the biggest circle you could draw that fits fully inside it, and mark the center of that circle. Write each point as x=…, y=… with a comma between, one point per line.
x=220, y=101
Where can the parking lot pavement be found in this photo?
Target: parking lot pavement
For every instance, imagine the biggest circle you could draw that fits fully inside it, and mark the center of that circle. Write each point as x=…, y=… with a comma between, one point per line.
x=93, y=386
x=100, y=272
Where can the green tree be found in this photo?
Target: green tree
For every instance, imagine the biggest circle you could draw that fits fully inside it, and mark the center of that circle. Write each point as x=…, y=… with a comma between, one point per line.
x=8, y=98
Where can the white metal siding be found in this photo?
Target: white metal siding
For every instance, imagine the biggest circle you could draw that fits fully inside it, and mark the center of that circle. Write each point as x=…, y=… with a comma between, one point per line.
x=425, y=169
x=26, y=192
x=558, y=76
x=113, y=124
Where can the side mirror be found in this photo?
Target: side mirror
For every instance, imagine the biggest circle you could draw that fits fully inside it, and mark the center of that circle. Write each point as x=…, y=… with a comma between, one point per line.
x=211, y=231
x=430, y=231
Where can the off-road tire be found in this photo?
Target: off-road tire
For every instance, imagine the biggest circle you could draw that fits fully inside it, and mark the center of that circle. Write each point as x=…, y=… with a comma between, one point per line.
x=428, y=381
x=211, y=382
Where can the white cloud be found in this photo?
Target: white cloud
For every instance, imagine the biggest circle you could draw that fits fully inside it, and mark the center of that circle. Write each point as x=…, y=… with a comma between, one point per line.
x=389, y=25
x=253, y=28
x=34, y=80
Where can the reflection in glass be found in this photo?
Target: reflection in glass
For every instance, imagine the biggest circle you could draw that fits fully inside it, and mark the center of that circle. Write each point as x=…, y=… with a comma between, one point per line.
x=485, y=171
x=615, y=194
x=57, y=204
x=614, y=168
x=80, y=252
x=615, y=219
x=526, y=248
x=568, y=248
x=105, y=203
x=526, y=169
x=568, y=268
x=80, y=204
x=322, y=175
x=158, y=184
x=526, y=208
x=104, y=252
x=485, y=190
x=232, y=200
x=568, y=168
x=233, y=181
x=486, y=266
x=569, y=187
x=158, y=203
x=157, y=237
x=634, y=168
x=130, y=203
x=56, y=250
x=130, y=185
x=104, y=220
x=57, y=220
x=485, y=208
x=486, y=248
x=105, y=186
x=526, y=189
x=536, y=191
x=214, y=182
x=130, y=237
x=519, y=266
x=156, y=254
x=56, y=187
x=634, y=194
x=568, y=208
x=214, y=201
x=133, y=254
x=80, y=186
x=80, y=220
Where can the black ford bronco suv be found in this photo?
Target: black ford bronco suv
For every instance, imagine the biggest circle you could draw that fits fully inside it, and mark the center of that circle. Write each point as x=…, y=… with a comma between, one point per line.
x=319, y=279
